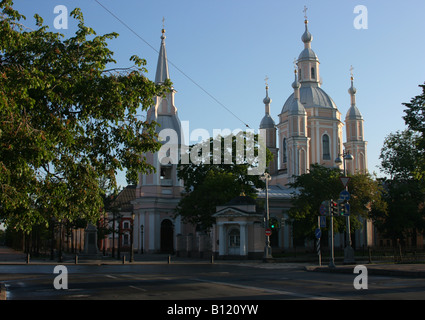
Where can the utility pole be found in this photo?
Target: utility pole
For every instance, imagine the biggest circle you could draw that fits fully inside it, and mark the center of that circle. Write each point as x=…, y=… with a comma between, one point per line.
x=331, y=234
x=267, y=249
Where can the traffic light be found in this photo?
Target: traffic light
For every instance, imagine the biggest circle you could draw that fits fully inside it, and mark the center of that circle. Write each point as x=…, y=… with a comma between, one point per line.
x=344, y=208
x=341, y=207
x=334, y=208
x=273, y=223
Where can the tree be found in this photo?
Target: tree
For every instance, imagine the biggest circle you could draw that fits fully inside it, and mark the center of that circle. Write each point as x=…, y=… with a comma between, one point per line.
x=321, y=184
x=208, y=184
x=400, y=155
x=66, y=121
x=406, y=212
x=401, y=159
x=415, y=121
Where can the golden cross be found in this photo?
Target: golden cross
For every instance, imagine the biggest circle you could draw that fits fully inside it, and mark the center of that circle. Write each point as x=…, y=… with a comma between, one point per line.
x=163, y=22
x=266, y=79
x=351, y=71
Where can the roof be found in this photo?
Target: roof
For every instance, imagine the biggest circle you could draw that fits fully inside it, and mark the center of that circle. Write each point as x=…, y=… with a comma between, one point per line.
x=307, y=54
x=311, y=96
x=277, y=192
x=124, y=198
x=267, y=122
x=353, y=114
x=162, y=66
x=297, y=108
x=233, y=212
x=241, y=200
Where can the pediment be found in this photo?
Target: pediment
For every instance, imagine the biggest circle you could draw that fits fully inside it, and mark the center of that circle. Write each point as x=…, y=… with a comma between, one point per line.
x=232, y=212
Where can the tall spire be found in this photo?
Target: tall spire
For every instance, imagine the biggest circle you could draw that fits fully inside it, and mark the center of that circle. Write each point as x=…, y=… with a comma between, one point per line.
x=352, y=91
x=267, y=121
x=306, y=37
x=353, y=112
x=296, y=85
x=162, y=66
x=308, y=62
x=267, y=99
x=296, y=107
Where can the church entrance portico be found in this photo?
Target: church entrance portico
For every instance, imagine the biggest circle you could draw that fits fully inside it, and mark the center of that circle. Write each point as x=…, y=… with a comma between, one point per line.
x=238, y=230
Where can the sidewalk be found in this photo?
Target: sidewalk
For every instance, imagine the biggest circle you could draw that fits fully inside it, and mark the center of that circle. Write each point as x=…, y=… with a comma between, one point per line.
x=9, y=256
x=387, y=269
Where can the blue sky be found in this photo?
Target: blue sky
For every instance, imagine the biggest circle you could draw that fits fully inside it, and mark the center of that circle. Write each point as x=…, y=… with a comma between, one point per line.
x=229, y=46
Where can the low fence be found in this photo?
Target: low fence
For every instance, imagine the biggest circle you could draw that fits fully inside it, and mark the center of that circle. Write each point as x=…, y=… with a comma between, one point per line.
x=397, y=254
x=383, y=254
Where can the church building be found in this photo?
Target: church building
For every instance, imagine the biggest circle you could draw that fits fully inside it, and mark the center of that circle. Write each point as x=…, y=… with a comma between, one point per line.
x=309, y=130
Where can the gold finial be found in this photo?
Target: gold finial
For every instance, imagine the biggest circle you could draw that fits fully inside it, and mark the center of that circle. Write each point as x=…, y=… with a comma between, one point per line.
x=266, y=79
x=351, y=72
x=305, y=13
x=295, y=65
x=163, y=24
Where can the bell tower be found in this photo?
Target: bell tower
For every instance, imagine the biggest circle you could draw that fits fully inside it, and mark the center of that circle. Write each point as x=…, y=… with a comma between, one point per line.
x=356, y=145
x=268, y=124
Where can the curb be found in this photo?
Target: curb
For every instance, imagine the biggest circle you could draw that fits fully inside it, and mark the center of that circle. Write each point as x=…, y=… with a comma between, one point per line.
x=371, y=271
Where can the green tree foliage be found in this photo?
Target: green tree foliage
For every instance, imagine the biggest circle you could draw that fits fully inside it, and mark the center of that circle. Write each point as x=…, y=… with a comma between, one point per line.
x=415, y=121
x=400, y=155
x=208, y=185
x=65, y=121
x=403, y=160
x=406, y=212
x=321, y=184
x=415, y=117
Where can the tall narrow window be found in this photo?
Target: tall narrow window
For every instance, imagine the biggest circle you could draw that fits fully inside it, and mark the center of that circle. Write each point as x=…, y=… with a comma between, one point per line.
x=313, y=73
x=284, y=157
x=326, y=148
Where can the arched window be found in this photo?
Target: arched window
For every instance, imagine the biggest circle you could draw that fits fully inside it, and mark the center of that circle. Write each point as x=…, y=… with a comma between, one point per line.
x=313, y=73
x=326, y=147
x=284, y=157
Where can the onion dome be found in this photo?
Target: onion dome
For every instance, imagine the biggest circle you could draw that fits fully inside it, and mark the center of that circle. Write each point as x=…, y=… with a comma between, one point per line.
x=267, y=121
x=353, y=113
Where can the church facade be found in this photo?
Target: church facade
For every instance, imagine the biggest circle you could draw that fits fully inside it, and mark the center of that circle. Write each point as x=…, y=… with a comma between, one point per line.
x=309, y=130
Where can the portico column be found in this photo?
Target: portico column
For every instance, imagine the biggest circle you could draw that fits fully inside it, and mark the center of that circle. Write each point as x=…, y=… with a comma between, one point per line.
x=151, y=231
x=242, y=237
x=221, y=239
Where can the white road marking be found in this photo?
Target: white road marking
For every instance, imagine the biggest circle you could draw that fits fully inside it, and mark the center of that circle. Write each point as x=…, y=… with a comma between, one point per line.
x=137, y=288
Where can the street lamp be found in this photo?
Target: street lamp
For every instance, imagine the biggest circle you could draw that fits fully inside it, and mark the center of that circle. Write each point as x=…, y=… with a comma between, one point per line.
x=267, y=249
x=131, y=238
x=119, y=237
x=348, y=250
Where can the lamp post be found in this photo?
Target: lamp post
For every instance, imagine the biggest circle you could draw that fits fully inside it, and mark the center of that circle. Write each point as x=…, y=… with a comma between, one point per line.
x=267, y=249
x=348, y=250
x=131, y=238
x=119, y=238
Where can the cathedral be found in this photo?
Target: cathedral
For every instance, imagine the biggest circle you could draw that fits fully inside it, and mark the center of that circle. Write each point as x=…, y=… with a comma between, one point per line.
x=309, y=130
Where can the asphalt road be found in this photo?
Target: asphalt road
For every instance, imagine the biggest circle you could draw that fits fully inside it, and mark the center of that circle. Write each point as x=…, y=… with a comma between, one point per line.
x=177, y=282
